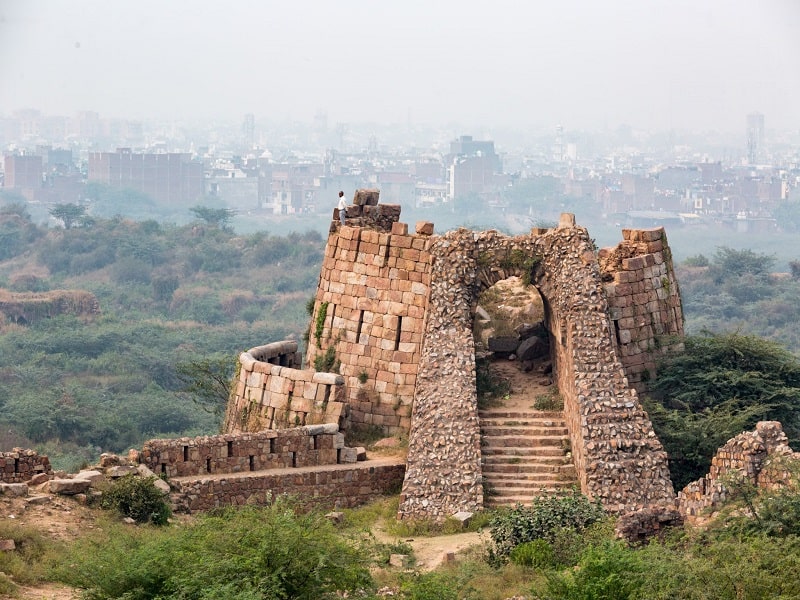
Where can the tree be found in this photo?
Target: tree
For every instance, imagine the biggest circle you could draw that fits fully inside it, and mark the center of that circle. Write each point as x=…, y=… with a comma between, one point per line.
x=214, y=217
x=718, y=386
x=207, y=382
x=68, y=214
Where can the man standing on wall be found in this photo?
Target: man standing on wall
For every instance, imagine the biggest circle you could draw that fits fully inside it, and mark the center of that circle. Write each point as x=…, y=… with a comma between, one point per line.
x=342, y=206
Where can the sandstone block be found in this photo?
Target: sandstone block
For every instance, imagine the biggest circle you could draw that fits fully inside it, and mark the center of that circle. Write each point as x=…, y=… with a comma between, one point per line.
x=68, y=487
x=424, y=228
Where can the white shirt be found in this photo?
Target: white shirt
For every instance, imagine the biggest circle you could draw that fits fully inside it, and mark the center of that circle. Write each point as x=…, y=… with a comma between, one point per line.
x=342, y=203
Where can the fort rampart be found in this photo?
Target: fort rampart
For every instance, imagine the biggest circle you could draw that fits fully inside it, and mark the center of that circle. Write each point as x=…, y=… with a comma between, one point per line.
x=393, y=318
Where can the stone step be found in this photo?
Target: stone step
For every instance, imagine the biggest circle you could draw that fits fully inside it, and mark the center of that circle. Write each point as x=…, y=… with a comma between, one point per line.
x=523, y=431
x=526, y=471
x=545, y=451
x=507, y=488
x=541, y=464
x=504, y=441
x=526, y=479
x=555, y=415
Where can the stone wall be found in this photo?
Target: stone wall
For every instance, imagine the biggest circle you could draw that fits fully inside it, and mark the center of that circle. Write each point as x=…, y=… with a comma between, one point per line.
x=644, y=300
x=311, y=445
x=758, y=456
x=272, y=392
x=369, y=312
x=331, y=488
x=616, y=453
x=21, y=465
x=393, y=316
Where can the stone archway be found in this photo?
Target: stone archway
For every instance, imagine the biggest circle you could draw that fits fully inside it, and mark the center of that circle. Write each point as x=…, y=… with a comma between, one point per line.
x=617, y=456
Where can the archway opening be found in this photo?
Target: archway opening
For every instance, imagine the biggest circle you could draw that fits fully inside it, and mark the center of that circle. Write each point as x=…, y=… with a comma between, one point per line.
x=514, y=367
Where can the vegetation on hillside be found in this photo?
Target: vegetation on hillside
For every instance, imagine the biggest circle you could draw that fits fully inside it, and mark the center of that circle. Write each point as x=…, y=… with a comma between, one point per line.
x=177, y=305
x=735, y=291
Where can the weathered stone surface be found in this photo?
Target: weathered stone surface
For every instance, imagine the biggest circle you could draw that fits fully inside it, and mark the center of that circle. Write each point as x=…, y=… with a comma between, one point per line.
x=92, y=476
x=398, y=560
x=503, y=344
x=762, y=457
x=463, y=517
x=7, y=546
x=532, y=348
x=13, y=489
x=120, y=471
x=38, y=500
x=39, y=478
x=68, y=487
x=20, y=465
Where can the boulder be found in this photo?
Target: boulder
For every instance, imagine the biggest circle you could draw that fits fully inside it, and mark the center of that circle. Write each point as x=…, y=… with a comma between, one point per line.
x=503, y=344
x=527, y=330
x=68, y=487
x=14, y=489
x=91, y=476
x=532, y=348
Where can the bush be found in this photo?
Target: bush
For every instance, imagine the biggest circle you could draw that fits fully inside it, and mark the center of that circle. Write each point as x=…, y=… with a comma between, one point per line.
x=544, y=519
x=537, y=553
x=137, y=498
x=244, y=553
x=610, y=571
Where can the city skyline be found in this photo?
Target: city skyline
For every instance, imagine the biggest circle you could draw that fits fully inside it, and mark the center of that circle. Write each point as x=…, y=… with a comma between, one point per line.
x=651, y=65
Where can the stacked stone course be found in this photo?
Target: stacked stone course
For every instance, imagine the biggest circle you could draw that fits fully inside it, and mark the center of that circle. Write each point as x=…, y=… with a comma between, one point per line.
x=321, y=488
x=21, y=465
x=373, y=293
x=760, y=457
x=394, y=313
x=311, y=445
x=643, y=299
x=272, y=392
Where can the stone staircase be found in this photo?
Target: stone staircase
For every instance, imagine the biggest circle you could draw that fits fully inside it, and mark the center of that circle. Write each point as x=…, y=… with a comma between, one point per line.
x=525, y=453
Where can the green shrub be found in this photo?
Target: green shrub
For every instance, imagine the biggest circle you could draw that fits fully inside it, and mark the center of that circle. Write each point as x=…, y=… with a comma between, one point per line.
x=544, y=519
x=429, y=586
x=137, y=498
x=237, y=553
x=608, y=571
x=536, y=553
x=549, y=401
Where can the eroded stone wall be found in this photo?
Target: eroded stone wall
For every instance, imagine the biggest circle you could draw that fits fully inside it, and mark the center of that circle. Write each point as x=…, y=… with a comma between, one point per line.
x=272, y=392
x=644, y=301
x=617, y=455
x=758, y=456
x=21, y=465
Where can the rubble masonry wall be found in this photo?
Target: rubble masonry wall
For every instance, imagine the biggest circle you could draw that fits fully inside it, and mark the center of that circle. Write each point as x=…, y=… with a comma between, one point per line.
x=758, y=456
x=19, y=466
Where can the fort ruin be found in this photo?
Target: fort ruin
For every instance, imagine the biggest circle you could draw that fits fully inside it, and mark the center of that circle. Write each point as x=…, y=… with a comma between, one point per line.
x=393, y=319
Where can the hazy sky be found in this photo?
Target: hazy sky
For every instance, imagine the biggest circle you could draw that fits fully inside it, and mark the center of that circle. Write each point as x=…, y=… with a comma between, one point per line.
x=657, y=64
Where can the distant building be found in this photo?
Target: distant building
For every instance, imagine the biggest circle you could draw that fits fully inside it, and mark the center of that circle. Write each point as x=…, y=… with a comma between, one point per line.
x=169, y=178
x=755, y=137
x=22, y=172
x=472, y=165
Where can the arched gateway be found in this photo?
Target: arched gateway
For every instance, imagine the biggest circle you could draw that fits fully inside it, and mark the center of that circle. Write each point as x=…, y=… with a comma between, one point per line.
x=393, y=315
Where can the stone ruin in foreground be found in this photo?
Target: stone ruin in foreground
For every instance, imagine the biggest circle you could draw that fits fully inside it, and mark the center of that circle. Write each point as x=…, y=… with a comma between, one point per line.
x=393, y=317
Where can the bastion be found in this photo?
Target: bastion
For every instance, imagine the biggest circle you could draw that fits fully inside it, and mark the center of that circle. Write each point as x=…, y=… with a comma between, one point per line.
x=390, y=347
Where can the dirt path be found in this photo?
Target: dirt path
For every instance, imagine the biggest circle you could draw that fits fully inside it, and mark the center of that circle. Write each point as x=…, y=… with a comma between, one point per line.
x=430, y=552
x=525, y=387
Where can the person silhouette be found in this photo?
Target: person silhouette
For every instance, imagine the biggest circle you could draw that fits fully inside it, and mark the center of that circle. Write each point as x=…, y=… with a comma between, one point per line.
x=342, y=206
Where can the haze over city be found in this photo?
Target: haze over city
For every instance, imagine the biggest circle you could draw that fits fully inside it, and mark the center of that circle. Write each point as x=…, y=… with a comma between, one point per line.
x=654, y=65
